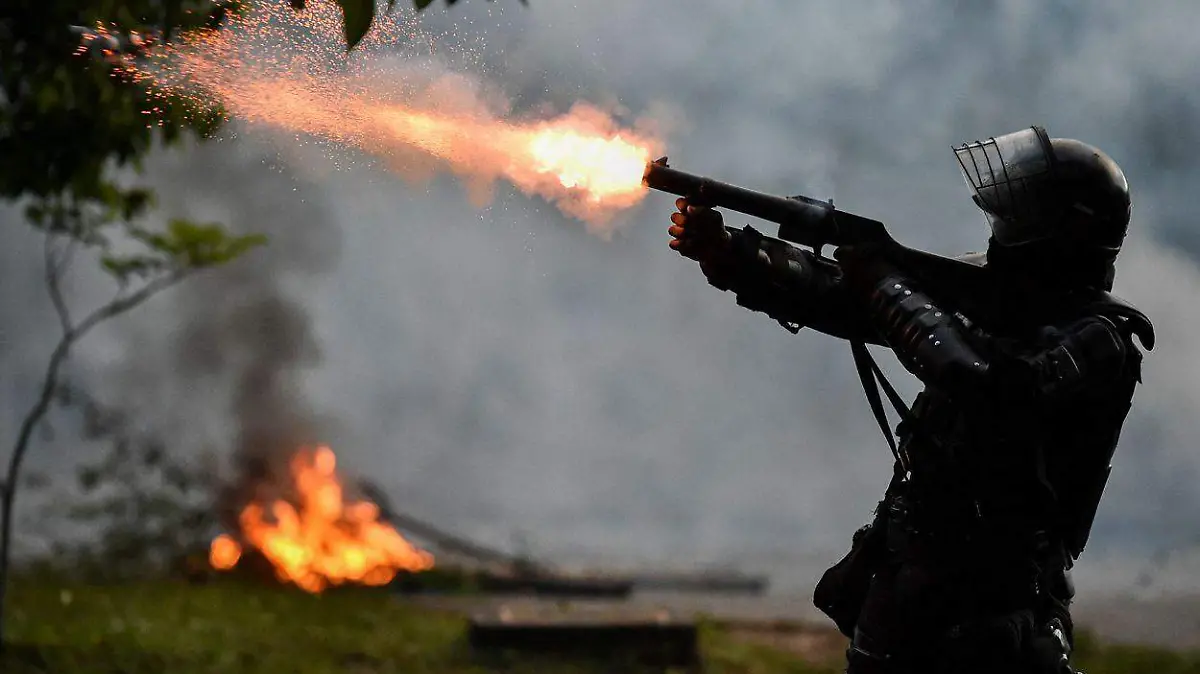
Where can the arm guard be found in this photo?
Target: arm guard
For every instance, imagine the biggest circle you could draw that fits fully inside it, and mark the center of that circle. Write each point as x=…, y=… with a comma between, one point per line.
x=790, y=284
x=944, y=351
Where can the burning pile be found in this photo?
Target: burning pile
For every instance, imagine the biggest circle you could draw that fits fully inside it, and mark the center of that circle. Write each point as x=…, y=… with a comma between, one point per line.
x=319, y=539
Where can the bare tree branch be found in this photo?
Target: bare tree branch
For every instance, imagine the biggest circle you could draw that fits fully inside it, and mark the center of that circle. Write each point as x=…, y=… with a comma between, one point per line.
x=54, y=266
x=122, y=304
x=68, y=254
x=71, y=334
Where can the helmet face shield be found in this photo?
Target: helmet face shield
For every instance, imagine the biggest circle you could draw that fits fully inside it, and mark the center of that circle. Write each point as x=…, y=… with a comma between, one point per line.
x=1008, y=176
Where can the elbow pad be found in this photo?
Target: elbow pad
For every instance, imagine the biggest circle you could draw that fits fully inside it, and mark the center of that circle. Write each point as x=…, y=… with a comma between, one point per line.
x=939, y=348
x=930, y=342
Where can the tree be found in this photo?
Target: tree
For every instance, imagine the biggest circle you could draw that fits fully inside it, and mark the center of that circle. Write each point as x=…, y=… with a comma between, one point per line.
x=153, y=511
x=359, y=15
x=66, y=126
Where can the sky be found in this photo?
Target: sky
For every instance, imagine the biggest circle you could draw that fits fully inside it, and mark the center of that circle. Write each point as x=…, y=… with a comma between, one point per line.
x=502, y=372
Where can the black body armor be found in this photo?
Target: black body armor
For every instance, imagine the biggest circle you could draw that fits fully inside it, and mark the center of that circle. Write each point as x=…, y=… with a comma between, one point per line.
x=1002, y=459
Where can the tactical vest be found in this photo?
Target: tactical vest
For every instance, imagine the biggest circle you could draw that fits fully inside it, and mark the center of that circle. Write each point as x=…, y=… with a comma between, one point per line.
x=1012, y=474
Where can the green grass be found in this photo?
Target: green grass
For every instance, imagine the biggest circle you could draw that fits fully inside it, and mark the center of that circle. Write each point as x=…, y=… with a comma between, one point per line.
x=235, y=627
x=724, y=654
x=1094, y=657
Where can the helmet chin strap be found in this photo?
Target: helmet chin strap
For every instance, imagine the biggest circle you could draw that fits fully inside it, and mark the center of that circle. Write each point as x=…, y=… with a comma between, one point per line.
x=1110, y=276
x=1049, y=264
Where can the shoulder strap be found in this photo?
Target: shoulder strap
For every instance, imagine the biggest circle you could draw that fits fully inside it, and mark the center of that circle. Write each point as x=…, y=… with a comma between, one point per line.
x=869, y=374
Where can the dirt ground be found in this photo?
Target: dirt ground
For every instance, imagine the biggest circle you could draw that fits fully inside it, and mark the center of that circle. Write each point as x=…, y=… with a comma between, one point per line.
x=792, y=623
x=759, y=620
x=815, y=643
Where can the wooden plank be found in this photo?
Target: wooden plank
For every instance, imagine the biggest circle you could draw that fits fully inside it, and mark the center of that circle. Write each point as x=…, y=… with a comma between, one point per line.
x=651, y=638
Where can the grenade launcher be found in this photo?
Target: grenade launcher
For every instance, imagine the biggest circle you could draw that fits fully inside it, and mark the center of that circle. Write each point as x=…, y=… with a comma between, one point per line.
x=816, y=224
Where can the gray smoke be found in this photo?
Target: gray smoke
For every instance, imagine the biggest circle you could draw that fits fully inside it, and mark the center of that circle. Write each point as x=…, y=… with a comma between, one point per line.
x=216, y=364
x=241, y=339
x=500, y=369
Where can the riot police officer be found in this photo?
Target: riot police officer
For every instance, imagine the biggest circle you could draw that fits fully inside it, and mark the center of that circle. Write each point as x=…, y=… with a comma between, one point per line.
x=1004, y=455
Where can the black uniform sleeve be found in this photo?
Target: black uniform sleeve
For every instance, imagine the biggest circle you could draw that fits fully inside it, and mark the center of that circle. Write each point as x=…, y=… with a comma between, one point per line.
x=945, y=352
x=790, y=284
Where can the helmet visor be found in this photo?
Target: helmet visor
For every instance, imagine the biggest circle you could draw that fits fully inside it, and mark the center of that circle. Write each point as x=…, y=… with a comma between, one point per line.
x=1008, y=176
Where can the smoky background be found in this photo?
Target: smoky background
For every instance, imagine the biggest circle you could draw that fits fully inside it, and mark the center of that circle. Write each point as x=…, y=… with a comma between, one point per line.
x=502, y=372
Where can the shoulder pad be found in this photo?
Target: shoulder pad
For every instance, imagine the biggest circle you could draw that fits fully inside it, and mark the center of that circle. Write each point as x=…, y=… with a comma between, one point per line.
x=976, y=259
x=1112, y=307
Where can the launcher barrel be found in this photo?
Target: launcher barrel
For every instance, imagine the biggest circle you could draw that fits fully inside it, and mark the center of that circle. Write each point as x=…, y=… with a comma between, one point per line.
x=802, y=220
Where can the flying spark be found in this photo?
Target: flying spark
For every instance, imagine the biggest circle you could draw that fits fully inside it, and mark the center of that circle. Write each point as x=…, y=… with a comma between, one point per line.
x=289, y=71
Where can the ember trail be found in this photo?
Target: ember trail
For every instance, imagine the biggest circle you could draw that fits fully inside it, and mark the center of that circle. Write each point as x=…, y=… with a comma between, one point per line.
x=289, y=71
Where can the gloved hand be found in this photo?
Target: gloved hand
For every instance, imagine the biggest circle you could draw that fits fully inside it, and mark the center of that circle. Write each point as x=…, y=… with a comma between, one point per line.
x=863, y=267
x=699, y=233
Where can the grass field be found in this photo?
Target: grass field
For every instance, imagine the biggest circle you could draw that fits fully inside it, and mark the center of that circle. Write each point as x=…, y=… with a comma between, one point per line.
x=233, y=627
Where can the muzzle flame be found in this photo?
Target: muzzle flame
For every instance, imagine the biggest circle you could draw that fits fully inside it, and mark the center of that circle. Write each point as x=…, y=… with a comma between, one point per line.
x=322, y=539
x=256, y=68
x=603, y=168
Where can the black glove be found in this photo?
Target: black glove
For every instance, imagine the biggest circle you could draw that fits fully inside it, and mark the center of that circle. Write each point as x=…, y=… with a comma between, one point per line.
x=863, y=268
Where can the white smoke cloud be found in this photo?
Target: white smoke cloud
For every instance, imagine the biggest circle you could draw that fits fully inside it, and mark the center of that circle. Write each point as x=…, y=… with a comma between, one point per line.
x=497, y=369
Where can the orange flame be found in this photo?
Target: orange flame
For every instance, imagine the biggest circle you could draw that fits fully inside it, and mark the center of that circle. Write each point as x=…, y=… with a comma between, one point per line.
x=602, y=167
x=259, y=71
x=580, y=160
x=224, y=553
x=322, y=540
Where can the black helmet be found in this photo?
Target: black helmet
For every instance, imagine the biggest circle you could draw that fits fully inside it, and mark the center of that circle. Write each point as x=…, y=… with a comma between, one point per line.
x=1036, y=189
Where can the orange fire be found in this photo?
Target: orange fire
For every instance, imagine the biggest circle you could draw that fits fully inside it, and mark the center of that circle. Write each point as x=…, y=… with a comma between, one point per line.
x=322, y=540
x=224, y=553
x=604, y=167
x=398, y=111
x=580, y=160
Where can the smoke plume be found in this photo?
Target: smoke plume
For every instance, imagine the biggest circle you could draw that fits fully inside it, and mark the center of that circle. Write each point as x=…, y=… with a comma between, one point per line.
x=221, y=365
x=496, y=368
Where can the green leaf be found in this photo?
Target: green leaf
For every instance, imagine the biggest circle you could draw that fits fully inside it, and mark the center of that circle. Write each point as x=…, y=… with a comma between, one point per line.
x=136, y=201
x=36, y=213
x=207, y=245
x=241, y=244
x=357, y=15
x=122, y=268
x=88, y=478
